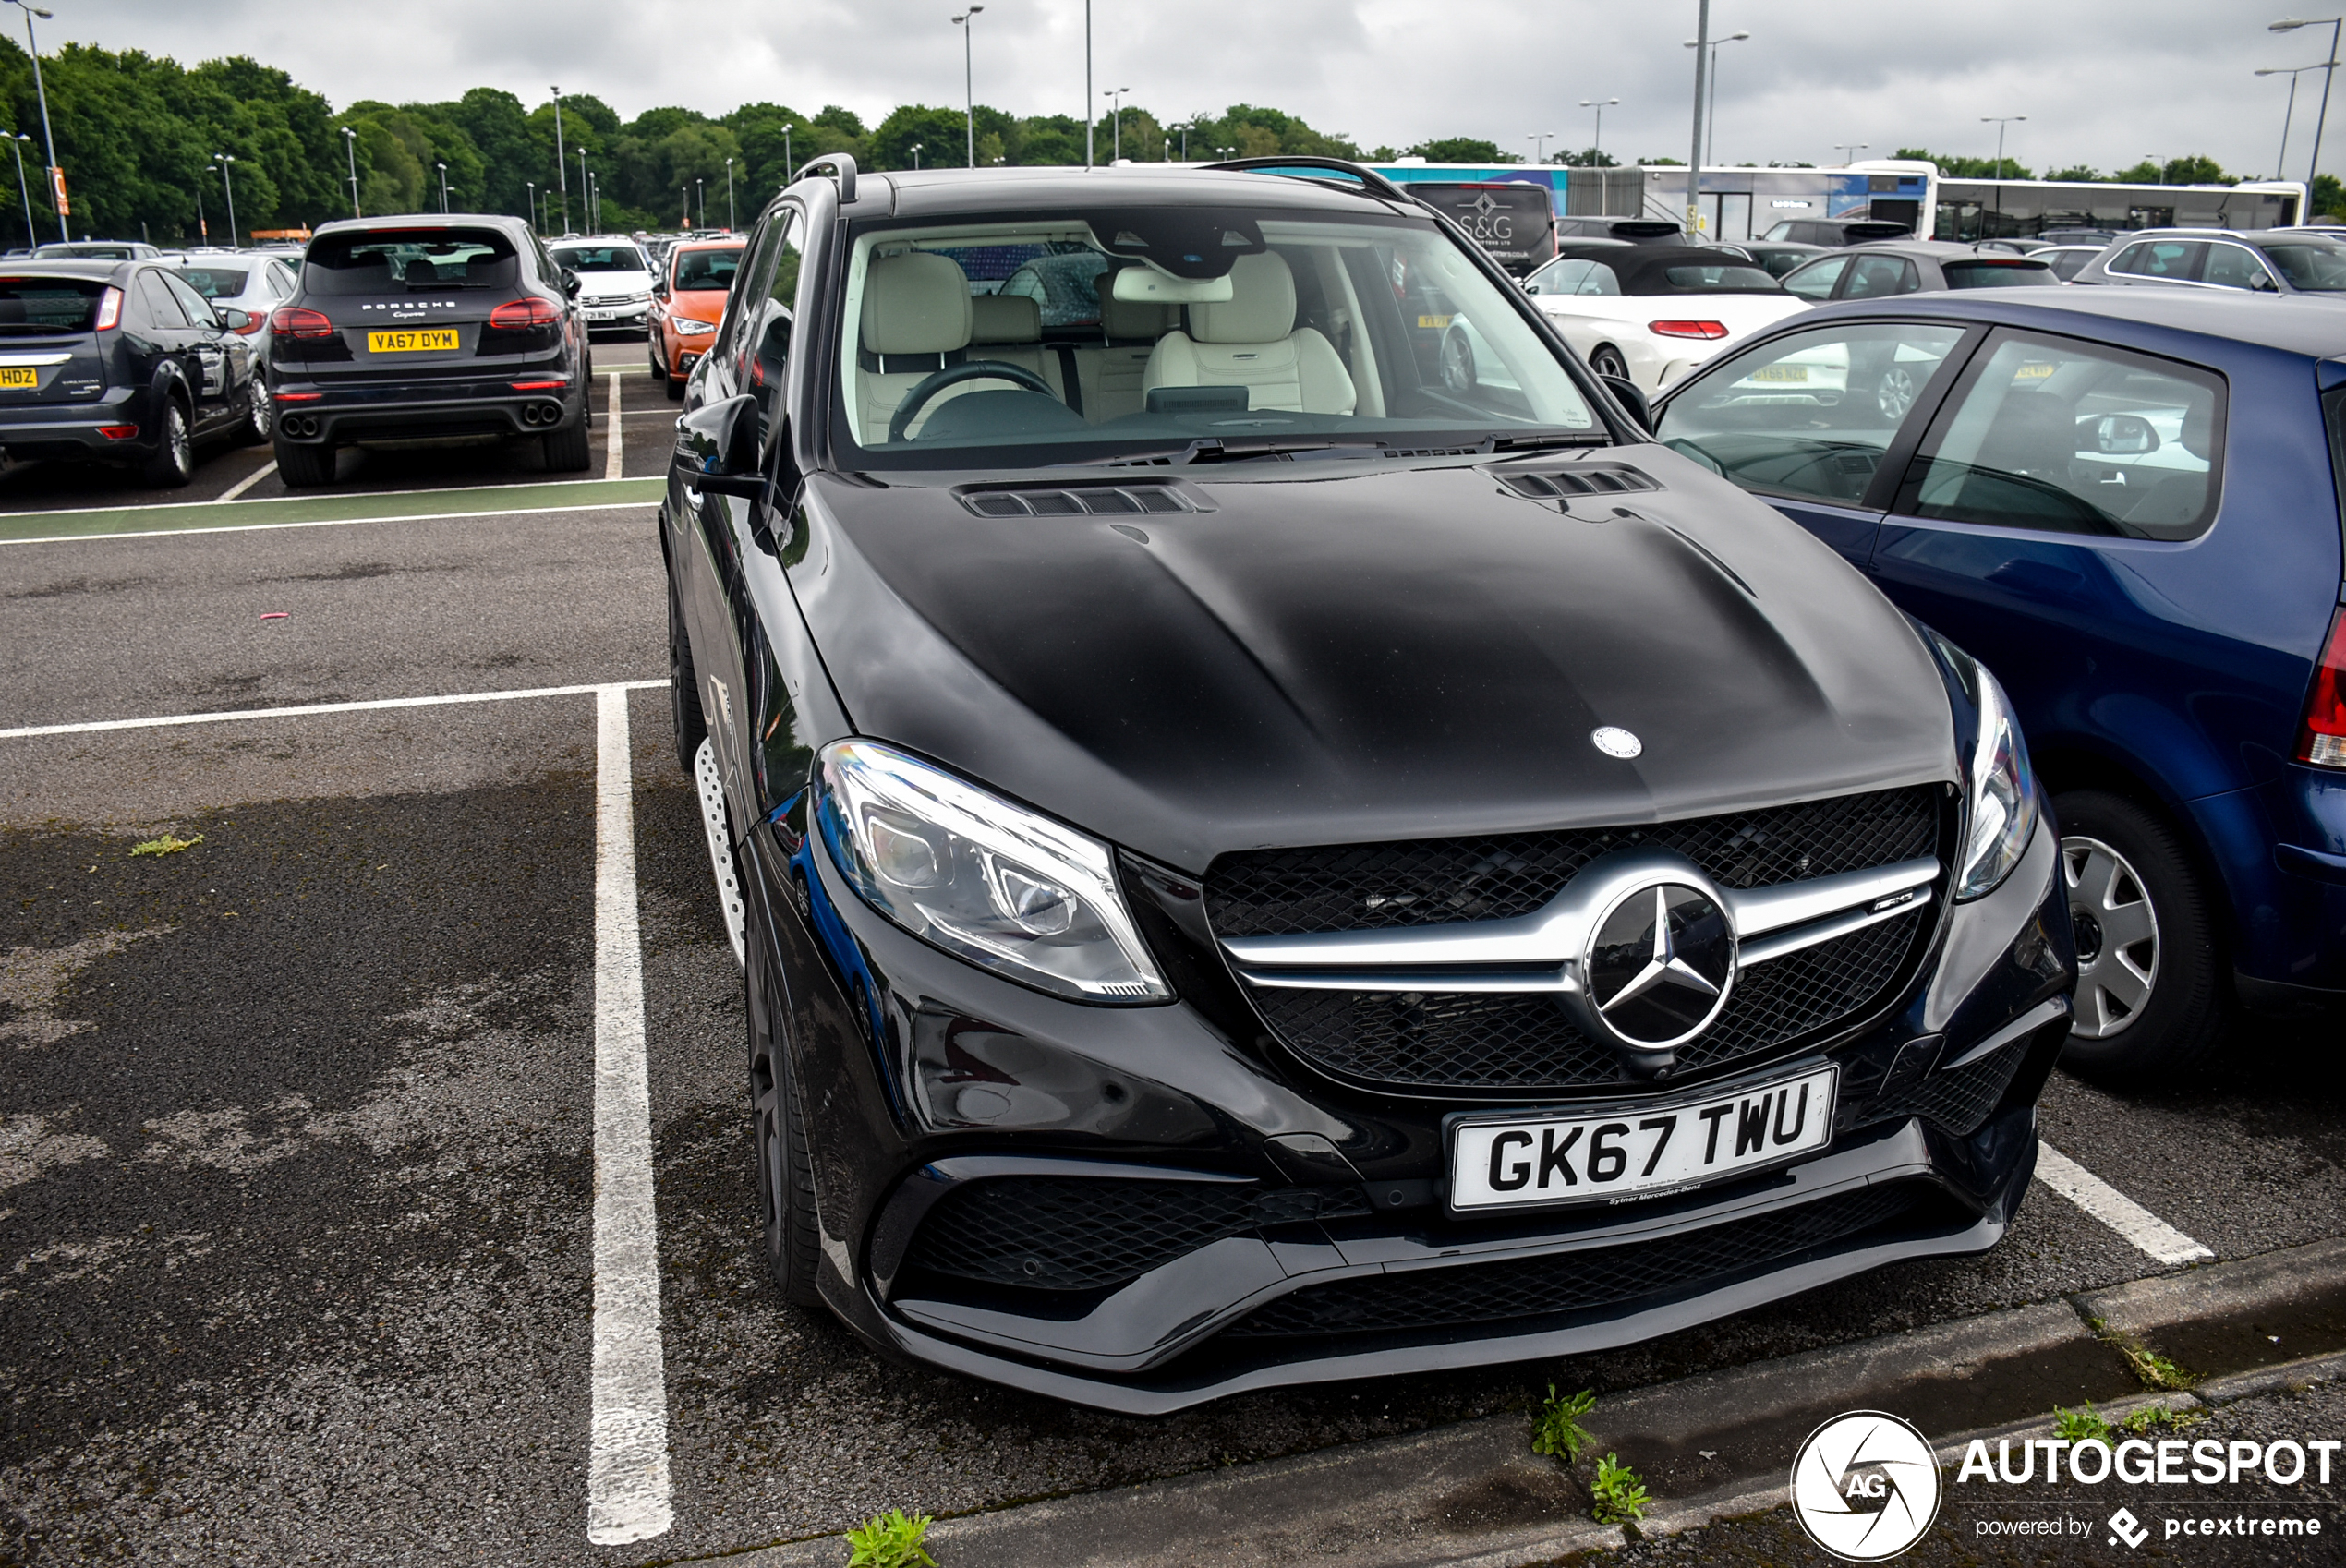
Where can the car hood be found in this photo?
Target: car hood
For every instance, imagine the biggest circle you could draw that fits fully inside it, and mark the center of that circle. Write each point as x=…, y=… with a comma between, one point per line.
x=1382, y=655
x=607, y=283
x=700, y=304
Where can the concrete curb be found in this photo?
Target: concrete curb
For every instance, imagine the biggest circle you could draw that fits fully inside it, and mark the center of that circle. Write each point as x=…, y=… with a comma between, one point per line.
x=1714, y=1446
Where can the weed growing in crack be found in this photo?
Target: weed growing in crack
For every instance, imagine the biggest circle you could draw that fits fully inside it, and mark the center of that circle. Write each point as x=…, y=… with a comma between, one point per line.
x=891, y=1541
x=1557, y=1428
x=1617, y=1496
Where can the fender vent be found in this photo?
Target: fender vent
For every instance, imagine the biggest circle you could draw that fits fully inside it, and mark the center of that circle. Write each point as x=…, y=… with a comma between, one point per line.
x=1090, y=501
x=1585, y=480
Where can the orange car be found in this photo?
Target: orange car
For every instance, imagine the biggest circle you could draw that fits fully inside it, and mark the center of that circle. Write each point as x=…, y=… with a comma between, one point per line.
x=686, y=302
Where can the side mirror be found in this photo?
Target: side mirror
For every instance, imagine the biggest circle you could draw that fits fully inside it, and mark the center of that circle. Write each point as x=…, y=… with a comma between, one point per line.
x=570, y=283
x=1531, y=288
x=1631, y=397
x=659, y=288
x=717, y=448
x=233, y=318
x=2122, y=435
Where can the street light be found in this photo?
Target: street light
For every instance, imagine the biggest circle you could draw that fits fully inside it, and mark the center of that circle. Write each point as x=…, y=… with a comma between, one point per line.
x=1185, y=141
x=589, y=213
x=728, y=196
x=533, y=204
x=1848, y=151
x=2287, y=25
x=15, y=145
x=1599, y=106
x=48, y=139
x=2289, y=114
x=1710, y=123
x=1539, y=141
x=443, y=187
x=562, y=163
x=1087, y=84
x=790, y=169
x=1694, y=153
x=969, y=88
x=700, y=190
x=2000, y=122
x=1116, y=97
x=916, y=155
x=230, y=187
x=350, y=146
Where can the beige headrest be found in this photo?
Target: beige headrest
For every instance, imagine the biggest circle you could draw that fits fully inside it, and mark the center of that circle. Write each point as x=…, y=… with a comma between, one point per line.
x=1133, y=318
x=1005, y=318
x=916, y=303
x=1261, y=309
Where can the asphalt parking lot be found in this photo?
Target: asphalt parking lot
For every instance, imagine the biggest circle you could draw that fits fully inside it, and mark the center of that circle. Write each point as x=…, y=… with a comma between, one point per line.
x=298, y=1150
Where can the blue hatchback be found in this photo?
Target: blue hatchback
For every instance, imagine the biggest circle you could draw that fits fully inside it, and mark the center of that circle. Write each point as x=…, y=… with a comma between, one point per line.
x=2125, y=502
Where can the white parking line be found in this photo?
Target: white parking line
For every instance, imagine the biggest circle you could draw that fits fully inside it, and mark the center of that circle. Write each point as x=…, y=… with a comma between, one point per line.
x=627, y=1481
x=247, y=482
x=2114, y=1208
x=303, y=711
x=320, y=523
x=612, y=452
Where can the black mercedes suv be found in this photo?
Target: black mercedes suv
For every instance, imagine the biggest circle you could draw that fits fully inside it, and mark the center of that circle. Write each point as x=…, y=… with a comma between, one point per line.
x=428, y=331
x=123, y=363
x=1255, y=865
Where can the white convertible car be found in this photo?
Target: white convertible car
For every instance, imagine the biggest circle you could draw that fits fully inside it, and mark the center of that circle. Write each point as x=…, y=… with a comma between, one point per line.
x=1652, y=313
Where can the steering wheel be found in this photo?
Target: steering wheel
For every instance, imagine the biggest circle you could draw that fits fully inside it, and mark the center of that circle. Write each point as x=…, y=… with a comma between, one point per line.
x=975, y=369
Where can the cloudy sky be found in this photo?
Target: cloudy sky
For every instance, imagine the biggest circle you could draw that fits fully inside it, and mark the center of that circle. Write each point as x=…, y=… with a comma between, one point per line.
x=2102, y=81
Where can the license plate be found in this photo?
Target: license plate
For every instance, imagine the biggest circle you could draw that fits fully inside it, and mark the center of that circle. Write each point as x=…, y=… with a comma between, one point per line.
x=1433, y=324
x=422, y=340
x=18, y=376
x=1781, y=373
x=1631, y=1152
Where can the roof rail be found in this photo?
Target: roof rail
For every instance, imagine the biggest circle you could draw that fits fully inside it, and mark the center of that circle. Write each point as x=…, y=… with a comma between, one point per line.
x=1371, y=182
x=841, y=168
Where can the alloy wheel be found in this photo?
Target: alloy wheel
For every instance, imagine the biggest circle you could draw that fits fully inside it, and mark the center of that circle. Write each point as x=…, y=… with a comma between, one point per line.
x=263, y=416
x=1458, y=362
x=1895, y=394
x=1608, y=362
x=2116, y=937
x=175, y=435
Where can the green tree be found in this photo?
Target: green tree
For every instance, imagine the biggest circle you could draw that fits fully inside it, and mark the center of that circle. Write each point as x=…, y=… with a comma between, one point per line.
x=1459, y=150
x=1589, y=158
x=2328, y=198
x=2075, y=171
x=939, y=133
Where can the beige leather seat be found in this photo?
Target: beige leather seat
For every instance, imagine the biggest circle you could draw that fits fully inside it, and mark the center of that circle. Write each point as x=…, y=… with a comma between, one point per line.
x=916, y=321
x=1252, y=341
x=1111, y=373
x=1009, y=327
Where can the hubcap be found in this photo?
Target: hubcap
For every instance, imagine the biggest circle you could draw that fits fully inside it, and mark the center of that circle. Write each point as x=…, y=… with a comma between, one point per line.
x=2116, y=937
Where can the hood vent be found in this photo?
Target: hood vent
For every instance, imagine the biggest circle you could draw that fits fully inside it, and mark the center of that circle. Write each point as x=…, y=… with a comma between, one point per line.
x=1089, y=501
x=1581, y=479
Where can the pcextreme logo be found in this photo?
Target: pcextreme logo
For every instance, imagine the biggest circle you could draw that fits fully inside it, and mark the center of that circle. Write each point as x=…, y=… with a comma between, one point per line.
x=1864, y=1486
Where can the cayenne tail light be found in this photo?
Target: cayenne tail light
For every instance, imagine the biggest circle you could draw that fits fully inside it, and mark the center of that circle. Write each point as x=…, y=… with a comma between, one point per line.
x=293, y=322
x=109, y=310
x=2322, y=739
x=1709, y=329
x=521, y=315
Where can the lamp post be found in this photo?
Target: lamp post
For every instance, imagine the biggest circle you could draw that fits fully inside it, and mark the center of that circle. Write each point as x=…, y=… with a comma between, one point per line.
x=1115, y=95
x=700, y=194
x=1849, y=150
x=1087, y=83
x=2290, y=24
x=969, y=88
x=1599, y=106
x=533, y=204
x=2157, y=162
x=790, y=168
x=1539, y=141
x=916, y=155
x=589, y=213
x=562, y=163
x=2000, y=122
x=443, y=187
x=2289, y=112
x=48, y=138
x=229, y=186
x=350, y=149
x=1711, y=135
x=15, y=145
x=728, y=196
x=1701, y=80
x=1185, y=141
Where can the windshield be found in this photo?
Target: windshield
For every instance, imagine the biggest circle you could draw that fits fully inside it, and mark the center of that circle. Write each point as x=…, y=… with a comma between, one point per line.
x=2318, y=266
x=393, y=260
x=967, y=344
x=32, y=306
x=586, y=258
x=698, y=269
x=215, y=282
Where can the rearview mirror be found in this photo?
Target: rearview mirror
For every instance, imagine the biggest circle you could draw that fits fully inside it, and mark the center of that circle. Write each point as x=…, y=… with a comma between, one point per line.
x=717, y=448
x=2118, y=435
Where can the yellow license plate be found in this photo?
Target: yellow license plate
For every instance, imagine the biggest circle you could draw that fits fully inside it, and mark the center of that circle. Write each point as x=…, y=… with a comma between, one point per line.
x=1433, y=324
x=1781, y=373
x=421, y=341
x=18, y=376
x=2035, y=370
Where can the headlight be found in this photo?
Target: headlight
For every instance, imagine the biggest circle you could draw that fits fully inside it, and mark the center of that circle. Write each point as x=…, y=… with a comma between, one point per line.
x=985, y=880
x=2001, y=792
x=686, y=327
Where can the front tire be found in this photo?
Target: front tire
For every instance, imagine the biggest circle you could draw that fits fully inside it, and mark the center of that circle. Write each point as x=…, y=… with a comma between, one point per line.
x=305, y=467
x=173, y=462
x=2152, y=1000
x=1609, y=361
x=785, y=1166
x=683, y=690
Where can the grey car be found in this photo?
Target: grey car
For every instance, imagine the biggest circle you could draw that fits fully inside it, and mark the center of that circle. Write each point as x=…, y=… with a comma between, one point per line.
x=1919, y=266
x=2068, y=260
x=2256, y=260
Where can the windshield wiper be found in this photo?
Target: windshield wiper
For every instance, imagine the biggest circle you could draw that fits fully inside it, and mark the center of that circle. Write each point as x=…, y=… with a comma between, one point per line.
x=1216, y=449
x=1537, y=443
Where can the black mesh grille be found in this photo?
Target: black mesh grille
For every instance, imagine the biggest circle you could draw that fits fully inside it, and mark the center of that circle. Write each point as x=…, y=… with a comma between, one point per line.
x=1077, y=1233
x=1571, y=1281
x=1958, y=1101
x=1435, y=882
x=1505, y=1042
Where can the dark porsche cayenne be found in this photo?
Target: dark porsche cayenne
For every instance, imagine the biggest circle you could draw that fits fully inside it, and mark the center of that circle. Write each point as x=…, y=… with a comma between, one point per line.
x=121, y=363
x=409, y=331
x=1256, y=867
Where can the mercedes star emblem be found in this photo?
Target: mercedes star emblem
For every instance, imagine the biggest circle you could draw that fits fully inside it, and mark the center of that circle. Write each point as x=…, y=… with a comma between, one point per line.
x=1660, y=965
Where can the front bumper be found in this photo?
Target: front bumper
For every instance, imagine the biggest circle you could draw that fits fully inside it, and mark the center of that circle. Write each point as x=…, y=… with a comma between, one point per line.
x=933, y=1078
x=310, y=413
x=607, y=318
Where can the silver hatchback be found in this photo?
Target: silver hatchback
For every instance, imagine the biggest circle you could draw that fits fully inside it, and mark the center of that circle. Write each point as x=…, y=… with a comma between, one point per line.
x=2255, y=261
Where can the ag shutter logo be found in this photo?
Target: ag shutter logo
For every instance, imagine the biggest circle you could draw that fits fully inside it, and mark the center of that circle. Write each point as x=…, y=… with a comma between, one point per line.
x=1864, y=1486
x=2124, y=1527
